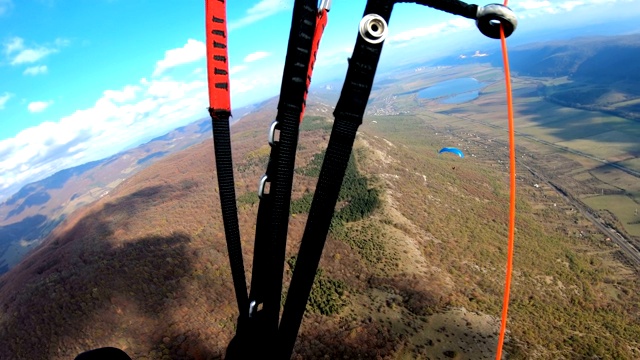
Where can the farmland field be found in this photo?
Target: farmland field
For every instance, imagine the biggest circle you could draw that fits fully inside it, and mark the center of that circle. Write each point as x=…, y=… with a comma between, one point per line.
x=592, y=153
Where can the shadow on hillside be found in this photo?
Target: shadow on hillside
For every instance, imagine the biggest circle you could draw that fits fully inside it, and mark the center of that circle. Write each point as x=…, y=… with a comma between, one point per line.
x=568, y=124
x=86, y=288
x=118, y=213
x=613, y=167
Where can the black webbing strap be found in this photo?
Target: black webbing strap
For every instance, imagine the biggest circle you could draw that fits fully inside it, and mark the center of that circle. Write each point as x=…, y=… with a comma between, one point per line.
x=348, y=117
x=273, y=212
x=257, y=331
x=288, y=118
x=220, y=111
x=227, y=192
x=454, y=7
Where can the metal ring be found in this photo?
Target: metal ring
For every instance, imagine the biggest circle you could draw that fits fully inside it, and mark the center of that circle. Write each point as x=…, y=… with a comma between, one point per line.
x=272, y=133
x=490, y=17
x=373, y=28
x=262, y=184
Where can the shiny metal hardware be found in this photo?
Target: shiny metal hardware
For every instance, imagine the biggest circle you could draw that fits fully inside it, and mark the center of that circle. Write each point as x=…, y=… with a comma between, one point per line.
x=489, y=18
x=252, y=308
x=324, y=5
x=272, y=133
x=261, y=185
x=373, y=28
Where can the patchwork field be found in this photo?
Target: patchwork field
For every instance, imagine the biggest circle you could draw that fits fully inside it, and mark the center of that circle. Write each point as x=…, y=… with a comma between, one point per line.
x=592, y=153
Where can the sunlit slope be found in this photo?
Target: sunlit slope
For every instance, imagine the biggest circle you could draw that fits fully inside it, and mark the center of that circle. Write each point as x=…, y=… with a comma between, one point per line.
x=592, y=151
x=571, y=290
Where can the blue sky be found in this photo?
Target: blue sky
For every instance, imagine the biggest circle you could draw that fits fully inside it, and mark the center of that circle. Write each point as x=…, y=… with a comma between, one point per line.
x=81, y=80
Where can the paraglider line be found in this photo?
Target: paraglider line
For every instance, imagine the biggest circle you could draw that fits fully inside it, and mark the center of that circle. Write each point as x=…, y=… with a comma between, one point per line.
x=512, y=194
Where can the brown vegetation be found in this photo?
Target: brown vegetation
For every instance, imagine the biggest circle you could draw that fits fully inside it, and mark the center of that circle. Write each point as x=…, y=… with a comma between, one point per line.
x=413, y=267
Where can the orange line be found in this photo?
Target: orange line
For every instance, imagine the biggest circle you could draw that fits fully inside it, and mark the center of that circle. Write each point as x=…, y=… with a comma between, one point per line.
x=512, y=195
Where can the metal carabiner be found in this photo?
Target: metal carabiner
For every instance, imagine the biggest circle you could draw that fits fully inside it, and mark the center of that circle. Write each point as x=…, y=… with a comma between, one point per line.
x=252, y=308
x=272, y=133
x=261, y=185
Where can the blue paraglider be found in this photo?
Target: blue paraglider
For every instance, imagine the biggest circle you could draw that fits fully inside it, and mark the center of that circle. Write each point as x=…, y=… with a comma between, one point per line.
x=452, y=150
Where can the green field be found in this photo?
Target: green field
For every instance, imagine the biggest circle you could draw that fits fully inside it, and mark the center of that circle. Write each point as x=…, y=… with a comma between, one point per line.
x=624, y=208
x=579, y=141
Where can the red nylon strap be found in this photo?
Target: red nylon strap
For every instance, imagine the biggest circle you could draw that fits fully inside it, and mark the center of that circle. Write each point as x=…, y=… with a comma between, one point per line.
x=321, y=23
x=217, y=58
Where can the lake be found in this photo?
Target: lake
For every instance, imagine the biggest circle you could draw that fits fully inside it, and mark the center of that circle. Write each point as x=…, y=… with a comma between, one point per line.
x=453, y=91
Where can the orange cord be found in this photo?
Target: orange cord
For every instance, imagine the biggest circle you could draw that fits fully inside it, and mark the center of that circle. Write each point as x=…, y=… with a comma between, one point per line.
x=512, y=194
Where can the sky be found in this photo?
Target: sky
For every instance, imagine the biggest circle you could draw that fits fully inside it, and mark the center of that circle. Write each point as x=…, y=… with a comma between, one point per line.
x=81, y=80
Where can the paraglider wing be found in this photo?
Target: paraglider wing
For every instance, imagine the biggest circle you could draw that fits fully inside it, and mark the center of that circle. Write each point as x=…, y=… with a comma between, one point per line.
x=452, y=150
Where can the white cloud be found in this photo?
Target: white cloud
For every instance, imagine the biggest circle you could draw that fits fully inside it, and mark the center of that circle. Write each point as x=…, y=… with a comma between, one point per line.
x=5, y=6
x=533, y=4
x=535, y=8
x=452, y=25
x=236, y=69
x=18, y=53
x=35, y=70
x=261, y=10
x=13, y=45
x=4, y=98
x=570, y=5
x=333, y=56
x=120, y=96
x=119, y=118
x=252, y=83
x=256, y=56
x=38, y=106
x=418, y=32
x=28, y=56
x=192, y=51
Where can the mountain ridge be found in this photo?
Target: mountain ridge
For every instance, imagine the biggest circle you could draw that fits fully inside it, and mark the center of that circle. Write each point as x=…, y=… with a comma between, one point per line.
x=27, y=216
x=145, y=267
x=418, y=274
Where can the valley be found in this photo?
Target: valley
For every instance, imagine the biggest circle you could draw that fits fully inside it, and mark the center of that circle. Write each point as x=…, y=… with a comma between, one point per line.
x=414, y=263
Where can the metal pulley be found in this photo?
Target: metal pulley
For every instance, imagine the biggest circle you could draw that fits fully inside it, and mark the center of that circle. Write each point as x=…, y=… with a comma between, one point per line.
x=373, y=28
x=490, y=17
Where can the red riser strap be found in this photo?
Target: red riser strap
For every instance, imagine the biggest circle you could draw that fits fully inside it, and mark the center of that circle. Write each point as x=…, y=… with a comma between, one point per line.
x=217, y=57
x=320, y=25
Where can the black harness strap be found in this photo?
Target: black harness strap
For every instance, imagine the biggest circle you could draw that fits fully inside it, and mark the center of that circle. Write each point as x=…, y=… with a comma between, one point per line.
x=226, y=185
x=454, y=7
x=220, y=111
x=258, y=332
x=273, y=212
x=348, y=117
